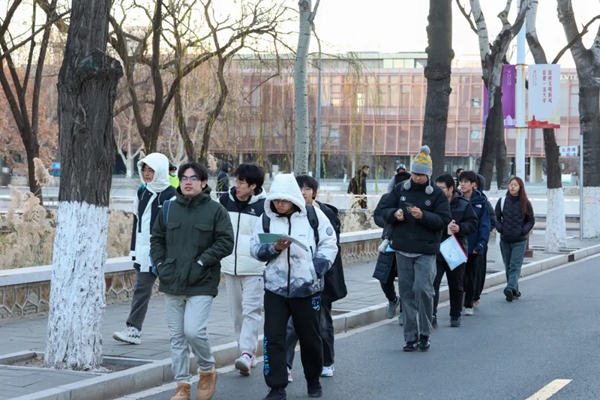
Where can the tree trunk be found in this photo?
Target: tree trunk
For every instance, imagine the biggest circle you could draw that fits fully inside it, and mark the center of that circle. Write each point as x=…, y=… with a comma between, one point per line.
x=494, y=128
x=32, y=150
x=589, y=118
x=301, y=90
x=437, y=72
x=87, y=85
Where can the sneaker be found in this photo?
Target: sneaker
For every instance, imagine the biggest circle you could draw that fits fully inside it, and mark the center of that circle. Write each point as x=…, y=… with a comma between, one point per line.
x=517, y=296
x=130, y=335
x=455, y=322
x=401, y=319
x=468, y=311
x=276, y=394
x=314, y=388
x=390, y=312
x=254, y=361
x=410, y=346
x=327, y=371
x=206, y=385
x=509, y=294
x=183, y=392
x=434, y=322
x=424, y=343
x=476, y=304
x=290, y=379
x=243, y=364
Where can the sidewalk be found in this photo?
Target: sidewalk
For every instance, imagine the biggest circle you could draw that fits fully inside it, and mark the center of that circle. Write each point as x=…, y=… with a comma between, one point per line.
x=363, y=292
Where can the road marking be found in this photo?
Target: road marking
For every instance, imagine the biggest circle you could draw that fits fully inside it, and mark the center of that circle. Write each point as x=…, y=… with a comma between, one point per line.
x=550, y=389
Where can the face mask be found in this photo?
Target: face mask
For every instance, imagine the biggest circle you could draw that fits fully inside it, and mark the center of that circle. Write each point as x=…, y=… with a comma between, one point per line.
x=173, y=173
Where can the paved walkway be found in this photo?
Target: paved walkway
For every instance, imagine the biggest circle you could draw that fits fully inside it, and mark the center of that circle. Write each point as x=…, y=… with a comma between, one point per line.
x=30, y=334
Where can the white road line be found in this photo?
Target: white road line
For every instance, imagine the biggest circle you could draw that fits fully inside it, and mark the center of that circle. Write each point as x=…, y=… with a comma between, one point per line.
x=550, y=389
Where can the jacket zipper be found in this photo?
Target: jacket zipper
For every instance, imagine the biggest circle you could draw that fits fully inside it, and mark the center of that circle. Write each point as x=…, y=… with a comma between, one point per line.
x=288, y=258
x=237, y=234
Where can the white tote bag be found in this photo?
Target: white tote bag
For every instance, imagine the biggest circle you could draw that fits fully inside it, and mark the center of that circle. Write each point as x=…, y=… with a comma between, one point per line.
x=453, y=252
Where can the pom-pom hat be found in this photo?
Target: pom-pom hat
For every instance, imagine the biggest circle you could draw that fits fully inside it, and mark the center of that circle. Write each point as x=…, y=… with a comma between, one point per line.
x=421, y=164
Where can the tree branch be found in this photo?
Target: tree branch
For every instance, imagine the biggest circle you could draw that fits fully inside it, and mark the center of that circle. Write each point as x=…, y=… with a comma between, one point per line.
x=467, y=16
x=567, y=19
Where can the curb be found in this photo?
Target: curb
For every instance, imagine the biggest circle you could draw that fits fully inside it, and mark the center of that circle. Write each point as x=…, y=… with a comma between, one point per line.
x=157, y=373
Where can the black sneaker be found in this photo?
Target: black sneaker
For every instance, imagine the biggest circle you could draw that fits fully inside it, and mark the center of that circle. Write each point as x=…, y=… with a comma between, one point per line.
x=434, y=322
x=455, y=322
x=276, y=394
x=509, y=294
x=424, y=343
x=410, y=346
x=314, y=388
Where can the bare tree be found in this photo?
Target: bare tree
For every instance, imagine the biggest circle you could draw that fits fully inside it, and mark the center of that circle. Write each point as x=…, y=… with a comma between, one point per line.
x=437, y=73
x=87, y=85
x=493, y=56
x=587, y=62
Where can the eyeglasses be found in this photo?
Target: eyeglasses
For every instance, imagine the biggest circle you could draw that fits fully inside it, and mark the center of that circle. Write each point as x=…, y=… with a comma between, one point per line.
x=192, y=178
x=240, y=183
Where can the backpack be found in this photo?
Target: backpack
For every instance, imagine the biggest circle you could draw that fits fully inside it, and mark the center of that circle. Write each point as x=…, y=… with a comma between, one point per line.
x=313, y=220
x=165, y=211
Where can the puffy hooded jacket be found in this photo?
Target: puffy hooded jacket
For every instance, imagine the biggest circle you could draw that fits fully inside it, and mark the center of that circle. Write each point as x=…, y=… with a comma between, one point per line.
x=243, y=221
x=294, y=272
x=223, y=177
x=478, y=240
x=146, y=205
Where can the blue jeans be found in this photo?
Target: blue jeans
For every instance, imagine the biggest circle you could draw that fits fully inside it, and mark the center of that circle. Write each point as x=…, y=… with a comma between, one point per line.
x=512, y=255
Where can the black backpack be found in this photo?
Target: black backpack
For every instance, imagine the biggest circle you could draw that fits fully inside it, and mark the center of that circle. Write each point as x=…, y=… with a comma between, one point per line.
x=313, y=220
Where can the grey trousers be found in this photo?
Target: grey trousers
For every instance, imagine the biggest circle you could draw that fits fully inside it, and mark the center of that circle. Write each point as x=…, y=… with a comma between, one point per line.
x=415, y=284
x=142, y=291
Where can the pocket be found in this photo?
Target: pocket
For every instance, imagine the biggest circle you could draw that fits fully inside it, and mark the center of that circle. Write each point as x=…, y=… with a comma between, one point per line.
x=173, y=232
x=166, y=271
x=197, y=274
x=202, y=235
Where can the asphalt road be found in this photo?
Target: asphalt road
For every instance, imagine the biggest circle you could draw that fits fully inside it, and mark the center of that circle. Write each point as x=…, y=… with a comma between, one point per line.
x=505, y=351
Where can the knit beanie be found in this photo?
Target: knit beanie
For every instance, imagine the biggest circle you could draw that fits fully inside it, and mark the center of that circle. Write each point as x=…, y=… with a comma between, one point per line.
x=422, y=164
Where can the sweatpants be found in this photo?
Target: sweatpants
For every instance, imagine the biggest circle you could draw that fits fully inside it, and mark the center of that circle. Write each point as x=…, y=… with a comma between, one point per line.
x=471, y=271
x=481, y=274
x=278, y=310
x=142, y=292
x=415, y=284
x=327, y=336
x=245, y=294
x=455, y=287
x=187, y=317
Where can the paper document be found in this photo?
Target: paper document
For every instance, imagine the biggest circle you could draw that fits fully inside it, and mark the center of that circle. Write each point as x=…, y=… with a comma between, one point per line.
x=453, y=252
x=273, y=238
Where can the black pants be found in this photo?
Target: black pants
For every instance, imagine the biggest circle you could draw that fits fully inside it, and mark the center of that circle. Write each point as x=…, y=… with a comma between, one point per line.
x=455, y=286
x=470, y=282
x=389, y=290
x=278, y=310
x=481, y=274
x=327, y=336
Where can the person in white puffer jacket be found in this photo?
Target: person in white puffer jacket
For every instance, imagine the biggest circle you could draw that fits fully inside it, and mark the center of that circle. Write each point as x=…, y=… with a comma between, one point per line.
x=243, y=274
x=293, y=282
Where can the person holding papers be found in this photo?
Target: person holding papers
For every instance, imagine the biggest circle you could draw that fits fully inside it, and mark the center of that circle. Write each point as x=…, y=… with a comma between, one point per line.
x=293, y=282
x=464, y=222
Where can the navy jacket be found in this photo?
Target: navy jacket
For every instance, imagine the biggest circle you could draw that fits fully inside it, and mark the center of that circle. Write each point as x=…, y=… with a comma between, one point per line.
x=465, y=218
x=478, y=240
x=511, y=223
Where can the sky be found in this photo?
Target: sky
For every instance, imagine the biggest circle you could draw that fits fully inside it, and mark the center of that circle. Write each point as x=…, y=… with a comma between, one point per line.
x=399, y=25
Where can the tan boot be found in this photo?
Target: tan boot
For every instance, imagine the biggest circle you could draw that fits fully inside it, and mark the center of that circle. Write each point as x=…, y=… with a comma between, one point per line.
x=183, y=392
x=206, y=385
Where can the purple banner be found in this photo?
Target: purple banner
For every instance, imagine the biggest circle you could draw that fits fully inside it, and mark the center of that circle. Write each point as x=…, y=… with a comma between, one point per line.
x=508, y=97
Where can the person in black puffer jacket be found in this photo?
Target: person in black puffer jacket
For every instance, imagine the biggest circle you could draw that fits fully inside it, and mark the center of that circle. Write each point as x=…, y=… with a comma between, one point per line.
x=464, y=222
x=514, y=221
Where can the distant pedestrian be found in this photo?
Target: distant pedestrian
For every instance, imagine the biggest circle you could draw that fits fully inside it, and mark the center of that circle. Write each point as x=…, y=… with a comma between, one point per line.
x=458, y=173
x=243, y=273
x=173, y=179
x=399, y=176
x=464, y=223
x=147, y=204
x=187, y=246
x=419, y=212
x=223, y=177
x=478, y=240
x=358, y=187
x=514, y=221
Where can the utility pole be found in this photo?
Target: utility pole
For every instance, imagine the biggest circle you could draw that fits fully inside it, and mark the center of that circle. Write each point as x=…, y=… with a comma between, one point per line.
x=521, y=125
x=319, y=84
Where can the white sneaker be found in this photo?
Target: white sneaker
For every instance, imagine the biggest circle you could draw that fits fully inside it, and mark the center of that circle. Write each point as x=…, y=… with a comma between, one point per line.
x=327, y=371
x=243, y=364
x=468, y=311
x=254, y=362
x=290, y=375
x=130, y=335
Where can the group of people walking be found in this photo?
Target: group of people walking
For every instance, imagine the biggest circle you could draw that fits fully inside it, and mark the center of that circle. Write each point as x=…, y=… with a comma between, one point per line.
x=417, y=216
x=186, y=240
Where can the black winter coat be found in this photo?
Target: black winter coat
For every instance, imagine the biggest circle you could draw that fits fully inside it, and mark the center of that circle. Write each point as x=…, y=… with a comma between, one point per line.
x=511, y=223
x=380, y=221
x=466, y=219
x=420, y=236
x=335, y=284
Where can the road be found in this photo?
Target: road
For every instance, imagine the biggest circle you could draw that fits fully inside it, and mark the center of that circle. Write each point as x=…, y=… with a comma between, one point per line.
x=505, y=351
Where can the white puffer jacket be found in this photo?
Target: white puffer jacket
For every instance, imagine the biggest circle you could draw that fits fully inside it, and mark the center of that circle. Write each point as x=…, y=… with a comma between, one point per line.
x=241, y=262
x=294, y=272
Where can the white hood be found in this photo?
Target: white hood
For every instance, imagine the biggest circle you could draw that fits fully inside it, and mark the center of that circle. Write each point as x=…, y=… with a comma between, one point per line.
x=285, y=187
x=160, y=164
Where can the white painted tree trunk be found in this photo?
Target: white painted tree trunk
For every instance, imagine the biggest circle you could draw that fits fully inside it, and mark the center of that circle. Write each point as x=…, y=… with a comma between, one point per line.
x=301, y=90
x=77, y=304
x=556, y=230
x=591, y=212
